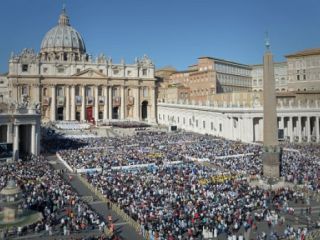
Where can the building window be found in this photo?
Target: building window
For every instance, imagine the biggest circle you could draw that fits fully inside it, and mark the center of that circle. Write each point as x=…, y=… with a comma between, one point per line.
x=204, y=124
x=115, y=72
x=45, y=92
x=197, y=123
x=184, y=120
x=89, y=92
x=77, y=90
x=304, y=77
x=298, y=77
x=24, y=90
x=159, y=116
x=129, y=73
x=45, y=70
x=101, y=70
x=211, y=125
x=220, y=127
x=25, y=68
x=60, y=70
x=114, y=92
x=99, y=91
x=78, y=70
x=59, y=91
x=144, y=72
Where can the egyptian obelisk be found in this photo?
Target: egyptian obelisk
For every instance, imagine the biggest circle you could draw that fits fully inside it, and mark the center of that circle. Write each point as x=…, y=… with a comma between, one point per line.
x=271, y=150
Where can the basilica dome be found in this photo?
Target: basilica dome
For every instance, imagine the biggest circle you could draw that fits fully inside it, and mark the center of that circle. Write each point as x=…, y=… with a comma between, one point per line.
x=63, y=38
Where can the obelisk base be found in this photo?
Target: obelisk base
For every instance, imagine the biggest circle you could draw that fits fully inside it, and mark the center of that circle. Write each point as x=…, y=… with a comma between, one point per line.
x=271, y=164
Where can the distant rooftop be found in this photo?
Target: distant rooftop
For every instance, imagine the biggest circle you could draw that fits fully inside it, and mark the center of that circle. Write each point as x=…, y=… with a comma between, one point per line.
x=225, y=61
x=306, y=52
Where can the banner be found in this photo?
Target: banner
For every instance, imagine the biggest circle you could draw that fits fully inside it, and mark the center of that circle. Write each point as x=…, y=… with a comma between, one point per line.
x=60, y=101
x=88, y=170
x=101, y=100
x=78, y=100
x=217, y=179
x=134, y=166
x=90, y=100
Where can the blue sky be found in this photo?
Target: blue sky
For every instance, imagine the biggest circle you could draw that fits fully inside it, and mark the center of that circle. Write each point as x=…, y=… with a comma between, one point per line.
x=171, y=32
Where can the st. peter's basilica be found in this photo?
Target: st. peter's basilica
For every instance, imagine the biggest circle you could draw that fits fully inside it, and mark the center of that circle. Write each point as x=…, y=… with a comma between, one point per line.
x=70, y=85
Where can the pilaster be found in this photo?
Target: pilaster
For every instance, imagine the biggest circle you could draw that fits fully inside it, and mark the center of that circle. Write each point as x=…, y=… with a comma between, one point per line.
x=96, y=104
x=106, y=103
x=53, y=103
x=73, y=105
x=83, y=103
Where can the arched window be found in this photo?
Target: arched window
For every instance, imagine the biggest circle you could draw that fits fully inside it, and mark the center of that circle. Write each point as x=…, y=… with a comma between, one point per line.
x=45, y=92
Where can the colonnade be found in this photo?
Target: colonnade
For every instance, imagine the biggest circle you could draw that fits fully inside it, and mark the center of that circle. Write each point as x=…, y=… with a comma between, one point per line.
x=296, y=124
x=24, y=136
x=111, y=102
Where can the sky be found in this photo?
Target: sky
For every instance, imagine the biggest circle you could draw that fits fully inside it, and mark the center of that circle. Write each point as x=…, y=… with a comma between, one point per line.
x=171, y=32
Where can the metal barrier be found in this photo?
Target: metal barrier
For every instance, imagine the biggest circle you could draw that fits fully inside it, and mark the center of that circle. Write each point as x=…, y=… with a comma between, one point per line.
x=114, y=207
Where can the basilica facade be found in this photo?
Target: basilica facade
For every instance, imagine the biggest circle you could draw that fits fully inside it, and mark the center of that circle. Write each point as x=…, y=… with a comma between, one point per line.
x=68, y=84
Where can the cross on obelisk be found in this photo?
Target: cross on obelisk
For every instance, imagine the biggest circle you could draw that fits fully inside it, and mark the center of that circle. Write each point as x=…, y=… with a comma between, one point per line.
x=271, y=150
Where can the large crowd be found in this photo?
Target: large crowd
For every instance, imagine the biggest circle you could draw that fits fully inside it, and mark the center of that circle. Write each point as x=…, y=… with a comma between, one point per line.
x=181, y=198
x=46, y=191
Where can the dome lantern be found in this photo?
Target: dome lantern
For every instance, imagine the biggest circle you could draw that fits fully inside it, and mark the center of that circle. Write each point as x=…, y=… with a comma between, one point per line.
x=64, y=19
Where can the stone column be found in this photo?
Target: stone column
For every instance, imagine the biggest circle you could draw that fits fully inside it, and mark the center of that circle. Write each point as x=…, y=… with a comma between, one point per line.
x=36, y=92
x=96, y=104
x=53, y=103
x=110, y=103
x=308, y=132
x=16, y=143
x=33, y=139
x=299, y=129
x=290, y=128
x=281, y=123
x=317, y=129
x=83, y=103
x=137, y=104
x=123, y=105
x=106, y=103
x=38, y=136
x=73, y=104
x=67, y=103
x=152, y=118
x=9, y=133
x=247, y=129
